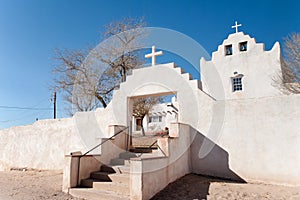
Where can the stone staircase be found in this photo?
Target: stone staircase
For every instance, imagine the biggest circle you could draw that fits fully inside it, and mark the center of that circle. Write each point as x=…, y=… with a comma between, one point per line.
x=111, y=182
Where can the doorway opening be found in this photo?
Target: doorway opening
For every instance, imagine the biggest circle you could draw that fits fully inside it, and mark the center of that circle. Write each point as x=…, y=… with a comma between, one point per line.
x=152, y=115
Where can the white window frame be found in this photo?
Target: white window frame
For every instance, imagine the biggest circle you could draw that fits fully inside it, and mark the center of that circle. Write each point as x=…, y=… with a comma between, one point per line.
x=155, y=119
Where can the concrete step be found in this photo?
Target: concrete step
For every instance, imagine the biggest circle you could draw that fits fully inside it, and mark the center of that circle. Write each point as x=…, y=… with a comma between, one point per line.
x=144, y=141
x=96, y=194
x=88, y=183
x=141, y=149
x=107, y=168
x=108, y=177
x=154, y=154
x=120, y=161
x=118, y=188
x=92, y=183
x=120, y=169
x=101, y=176
x=127, y=155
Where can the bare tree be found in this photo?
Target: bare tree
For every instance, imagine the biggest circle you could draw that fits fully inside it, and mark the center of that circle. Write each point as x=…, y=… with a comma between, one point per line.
x=288, y=80
x=87, y=78
x=121, y=55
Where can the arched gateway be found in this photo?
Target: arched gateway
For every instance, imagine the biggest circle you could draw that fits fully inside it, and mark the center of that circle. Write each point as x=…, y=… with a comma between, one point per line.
x=157, y=80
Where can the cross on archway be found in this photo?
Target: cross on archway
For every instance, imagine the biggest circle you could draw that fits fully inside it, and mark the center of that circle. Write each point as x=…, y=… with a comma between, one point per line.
x=153, y=55
x=236, y=26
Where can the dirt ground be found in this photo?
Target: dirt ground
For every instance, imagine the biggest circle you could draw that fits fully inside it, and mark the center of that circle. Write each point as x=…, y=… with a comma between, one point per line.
x=199, y=187
x=36, y=185
x=32, y=185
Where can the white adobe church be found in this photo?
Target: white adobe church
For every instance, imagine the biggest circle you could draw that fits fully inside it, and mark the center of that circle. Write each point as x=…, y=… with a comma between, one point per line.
x=232, y=124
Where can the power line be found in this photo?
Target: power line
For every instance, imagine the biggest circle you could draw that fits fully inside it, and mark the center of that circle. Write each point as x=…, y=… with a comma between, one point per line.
x=26, y=116
x=23, y=108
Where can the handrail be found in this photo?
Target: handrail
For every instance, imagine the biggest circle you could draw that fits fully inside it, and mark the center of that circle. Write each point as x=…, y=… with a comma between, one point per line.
x=98, y=145
x=157, y=146
x=95, y=147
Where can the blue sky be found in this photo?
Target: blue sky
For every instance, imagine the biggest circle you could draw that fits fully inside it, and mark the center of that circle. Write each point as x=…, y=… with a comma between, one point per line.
x=31, y=30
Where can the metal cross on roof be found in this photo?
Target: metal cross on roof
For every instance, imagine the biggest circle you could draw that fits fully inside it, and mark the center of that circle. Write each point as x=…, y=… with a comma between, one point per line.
x=153, y=55
x=236, y=26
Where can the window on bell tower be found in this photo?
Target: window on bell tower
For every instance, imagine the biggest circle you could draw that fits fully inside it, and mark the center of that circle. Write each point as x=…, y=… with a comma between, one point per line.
x=243, y=46
x=228, y=50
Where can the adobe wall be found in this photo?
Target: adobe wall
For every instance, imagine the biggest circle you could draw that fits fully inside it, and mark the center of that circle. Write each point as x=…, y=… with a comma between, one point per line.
x=259, y=141
x=41, y=145
x=44, y=144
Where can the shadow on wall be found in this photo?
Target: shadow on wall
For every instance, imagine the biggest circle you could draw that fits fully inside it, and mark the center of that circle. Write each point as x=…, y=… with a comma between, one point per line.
x=214, y=164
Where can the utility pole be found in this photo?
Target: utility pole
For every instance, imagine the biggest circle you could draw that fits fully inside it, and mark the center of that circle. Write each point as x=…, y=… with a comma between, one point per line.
x=54, y=105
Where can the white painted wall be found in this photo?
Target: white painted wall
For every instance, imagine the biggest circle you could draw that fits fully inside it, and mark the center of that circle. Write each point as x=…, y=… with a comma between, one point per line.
x=44, y=144
x=169, y=115
x=262, y=137
x=40, y=146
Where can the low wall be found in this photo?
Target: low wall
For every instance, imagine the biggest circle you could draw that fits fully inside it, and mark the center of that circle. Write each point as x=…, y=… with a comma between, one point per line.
x=87, y=164
x=40, y=146
x=44, y=144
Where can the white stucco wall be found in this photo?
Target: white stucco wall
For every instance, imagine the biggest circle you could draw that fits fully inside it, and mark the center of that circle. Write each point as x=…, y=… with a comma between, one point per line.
x=44, y=144
x=41, y=145
x=262, y=137
x=258, y=141
x=167, y=113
